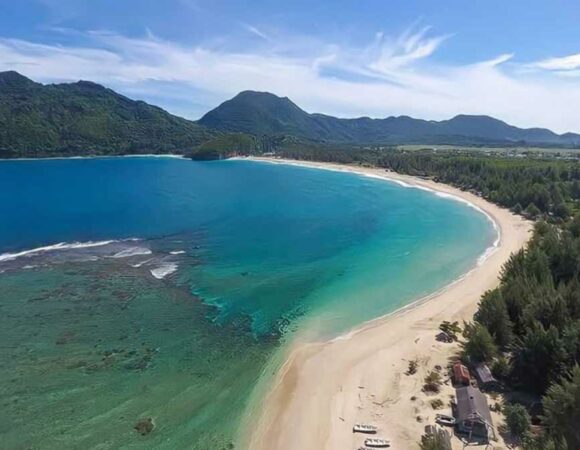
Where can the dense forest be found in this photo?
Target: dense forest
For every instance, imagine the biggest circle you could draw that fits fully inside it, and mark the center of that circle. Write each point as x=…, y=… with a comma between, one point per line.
x=528, y=329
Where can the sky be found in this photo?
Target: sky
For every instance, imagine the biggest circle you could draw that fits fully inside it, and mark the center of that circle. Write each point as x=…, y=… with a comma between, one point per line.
x=517, y=60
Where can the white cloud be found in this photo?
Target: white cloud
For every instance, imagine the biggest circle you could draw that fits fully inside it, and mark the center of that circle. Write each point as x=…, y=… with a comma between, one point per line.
x=390, y=76
x=570, y=62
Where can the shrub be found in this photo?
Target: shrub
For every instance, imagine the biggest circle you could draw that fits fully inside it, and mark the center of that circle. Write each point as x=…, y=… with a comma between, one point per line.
x=433, y=442
x=432, y=382
x=451, y=328
x=437, y=403
x=412, y=367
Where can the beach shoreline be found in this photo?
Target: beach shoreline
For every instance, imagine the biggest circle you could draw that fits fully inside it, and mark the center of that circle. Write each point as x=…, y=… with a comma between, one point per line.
x=323, y=388
x=61, y=158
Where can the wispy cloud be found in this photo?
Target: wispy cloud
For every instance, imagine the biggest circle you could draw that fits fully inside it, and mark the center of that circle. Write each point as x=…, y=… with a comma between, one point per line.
x=498, y=60
x=255, y=31
x=392, y=75
x=411, y=47
x=570, y=62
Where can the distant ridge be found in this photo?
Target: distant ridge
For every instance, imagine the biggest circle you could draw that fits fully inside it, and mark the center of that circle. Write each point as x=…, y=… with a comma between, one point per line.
x=85, y=118
x=262, y=113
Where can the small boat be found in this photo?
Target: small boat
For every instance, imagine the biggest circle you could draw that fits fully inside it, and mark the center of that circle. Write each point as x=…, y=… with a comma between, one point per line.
x=442, y=419
x=377, y=443
x=364, y=428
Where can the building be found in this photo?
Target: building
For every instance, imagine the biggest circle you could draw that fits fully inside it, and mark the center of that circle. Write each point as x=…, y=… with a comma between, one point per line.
x=473, y=417
x=484, y=377
x=460, y=374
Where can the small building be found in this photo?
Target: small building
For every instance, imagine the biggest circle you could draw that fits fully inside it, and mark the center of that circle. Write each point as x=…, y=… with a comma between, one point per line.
x=473, y=417
x=460, y=374
x=484, y=377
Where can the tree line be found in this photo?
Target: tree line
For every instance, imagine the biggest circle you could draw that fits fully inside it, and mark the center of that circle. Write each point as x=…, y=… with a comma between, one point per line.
x=529, y=328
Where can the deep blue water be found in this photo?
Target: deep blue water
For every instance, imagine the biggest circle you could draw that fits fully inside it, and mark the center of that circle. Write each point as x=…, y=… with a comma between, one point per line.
x=269, y=249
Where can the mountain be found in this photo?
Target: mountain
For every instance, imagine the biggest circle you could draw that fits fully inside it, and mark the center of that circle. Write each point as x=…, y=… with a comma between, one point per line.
x=85, y=118
x=262, y=113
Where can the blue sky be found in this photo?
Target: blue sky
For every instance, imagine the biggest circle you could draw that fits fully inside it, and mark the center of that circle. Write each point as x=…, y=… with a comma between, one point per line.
x=516, y=60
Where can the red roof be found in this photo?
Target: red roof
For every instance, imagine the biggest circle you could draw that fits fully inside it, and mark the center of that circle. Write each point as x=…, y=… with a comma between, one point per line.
x=460, y=373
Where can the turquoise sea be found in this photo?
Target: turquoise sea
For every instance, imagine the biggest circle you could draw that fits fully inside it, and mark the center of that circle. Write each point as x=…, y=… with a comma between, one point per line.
x=137, y=288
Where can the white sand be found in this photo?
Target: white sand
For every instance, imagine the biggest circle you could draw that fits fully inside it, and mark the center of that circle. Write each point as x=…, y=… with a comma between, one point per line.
x=326, y=387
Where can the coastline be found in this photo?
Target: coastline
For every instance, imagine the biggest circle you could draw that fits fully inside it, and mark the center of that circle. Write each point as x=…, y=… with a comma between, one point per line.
x=323, y=388
x=56, y=158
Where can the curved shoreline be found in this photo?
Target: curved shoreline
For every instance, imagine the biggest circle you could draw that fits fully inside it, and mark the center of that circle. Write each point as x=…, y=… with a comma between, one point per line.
x=323, y=388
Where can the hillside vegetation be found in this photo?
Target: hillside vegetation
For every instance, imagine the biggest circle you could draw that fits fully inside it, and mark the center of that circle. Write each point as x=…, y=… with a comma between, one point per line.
x=85, y=118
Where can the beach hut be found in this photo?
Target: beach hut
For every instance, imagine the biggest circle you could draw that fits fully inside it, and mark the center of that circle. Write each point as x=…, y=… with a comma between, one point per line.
x=460, y=374
x=473, y=417
x=484, y=377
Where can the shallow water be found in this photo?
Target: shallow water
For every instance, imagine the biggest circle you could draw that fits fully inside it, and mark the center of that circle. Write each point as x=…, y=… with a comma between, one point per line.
x=212, y=266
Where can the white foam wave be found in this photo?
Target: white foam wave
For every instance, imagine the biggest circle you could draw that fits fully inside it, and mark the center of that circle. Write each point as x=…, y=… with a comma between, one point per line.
x=177, y=252
x=164, y=270
x=139, y=264
x=48, y=248
x=133, y=251
x=58, y=247
x=145, y=155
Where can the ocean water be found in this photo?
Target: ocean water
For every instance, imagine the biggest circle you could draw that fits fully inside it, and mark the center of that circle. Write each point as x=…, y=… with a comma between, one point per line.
x=137, y=288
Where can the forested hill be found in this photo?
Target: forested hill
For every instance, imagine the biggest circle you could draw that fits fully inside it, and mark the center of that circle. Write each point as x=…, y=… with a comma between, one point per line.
x=85, y=118
x=262, y=113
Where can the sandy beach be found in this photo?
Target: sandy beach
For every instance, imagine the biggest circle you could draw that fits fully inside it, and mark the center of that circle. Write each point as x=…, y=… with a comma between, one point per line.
x=325, y=387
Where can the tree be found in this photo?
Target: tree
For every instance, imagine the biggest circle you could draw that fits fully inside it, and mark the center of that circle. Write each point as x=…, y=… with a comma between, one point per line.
x=537, y=264
x=542, y=443
x=532, y=211
x=539, y=358
x=517, y=420
x=480, y=346
x=562, y=210
x=501, y=368
x=493, y=314
x=562, y=409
